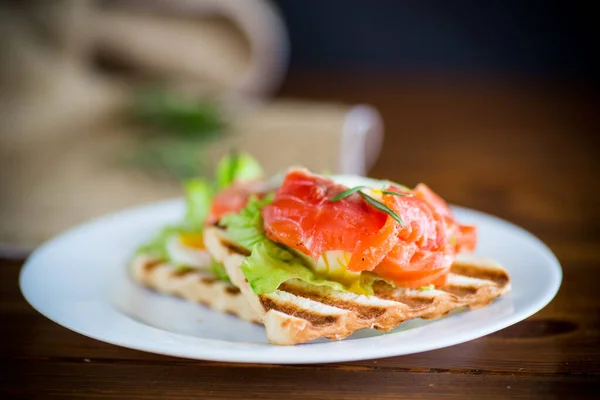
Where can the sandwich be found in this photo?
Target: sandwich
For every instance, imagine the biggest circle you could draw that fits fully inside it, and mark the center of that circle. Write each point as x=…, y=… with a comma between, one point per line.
x=313, y=256
x=326, y=256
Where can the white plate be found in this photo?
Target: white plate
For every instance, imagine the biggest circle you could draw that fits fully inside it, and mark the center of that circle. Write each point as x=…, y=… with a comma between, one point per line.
x=79, y=280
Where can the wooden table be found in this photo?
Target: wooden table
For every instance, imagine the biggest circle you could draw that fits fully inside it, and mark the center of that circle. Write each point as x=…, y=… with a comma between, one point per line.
x=522, y=150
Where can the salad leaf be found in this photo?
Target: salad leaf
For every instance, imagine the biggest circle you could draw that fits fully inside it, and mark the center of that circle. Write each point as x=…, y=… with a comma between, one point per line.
x=270, y=265
x=198, y=196
x=157, y=245
x=237, y=167
x=219, y=270
x=246, y=227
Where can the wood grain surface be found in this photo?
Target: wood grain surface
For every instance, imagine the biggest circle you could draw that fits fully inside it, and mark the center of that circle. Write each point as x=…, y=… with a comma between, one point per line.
x=522, y=150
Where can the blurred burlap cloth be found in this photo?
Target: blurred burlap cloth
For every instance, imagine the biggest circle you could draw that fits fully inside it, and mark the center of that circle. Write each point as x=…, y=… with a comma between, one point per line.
x=61, y=129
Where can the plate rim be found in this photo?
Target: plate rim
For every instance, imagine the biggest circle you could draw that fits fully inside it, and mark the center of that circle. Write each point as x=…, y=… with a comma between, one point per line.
x=296, y=357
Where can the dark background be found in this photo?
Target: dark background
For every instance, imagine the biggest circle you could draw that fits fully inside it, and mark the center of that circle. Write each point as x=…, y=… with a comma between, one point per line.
x=523, y=38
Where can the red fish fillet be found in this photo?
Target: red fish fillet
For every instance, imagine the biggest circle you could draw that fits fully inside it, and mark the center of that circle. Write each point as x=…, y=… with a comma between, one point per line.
x=416, y=253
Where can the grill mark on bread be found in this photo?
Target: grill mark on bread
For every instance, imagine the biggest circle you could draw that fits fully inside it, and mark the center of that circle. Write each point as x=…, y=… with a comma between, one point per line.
x=182, y=271
x=314, y=318
x=460, y=291
x=412, y=302
x=499, y=277
x=388, y=292
x=364, y=312
x=207, y=280
x=151, y=264
x=232, y=290
x=235, y=248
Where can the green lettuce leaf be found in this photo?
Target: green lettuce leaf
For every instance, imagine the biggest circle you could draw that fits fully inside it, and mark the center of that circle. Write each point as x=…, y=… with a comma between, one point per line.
x=198, y=197
x=237, y=167
x=246, y=227
x=270, y=265
x=219, y=270
x=157, y=245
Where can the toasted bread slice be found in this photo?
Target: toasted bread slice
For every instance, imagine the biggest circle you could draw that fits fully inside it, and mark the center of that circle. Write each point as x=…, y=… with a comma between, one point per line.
x=199, y=286
x=299, y=312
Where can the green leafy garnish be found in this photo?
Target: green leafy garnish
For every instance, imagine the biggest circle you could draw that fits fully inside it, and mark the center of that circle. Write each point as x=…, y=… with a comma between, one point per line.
x=373, y=202
x=237, y=167
x=270, y=265
x=427, y=287
x=198, y=195
x=230, y=170
x=219, y=270
x=157, y=245
x=246, y=227
x=347, y=193
x=389, y=193
x=382, y=207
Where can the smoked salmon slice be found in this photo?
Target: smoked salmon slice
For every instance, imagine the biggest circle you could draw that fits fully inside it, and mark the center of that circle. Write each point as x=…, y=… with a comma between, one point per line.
x=464, y=237
x=415, y=253
x=302, y=216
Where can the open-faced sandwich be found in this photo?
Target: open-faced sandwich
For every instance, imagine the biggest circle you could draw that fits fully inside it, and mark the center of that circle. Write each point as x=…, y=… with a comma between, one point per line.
x=315, y=256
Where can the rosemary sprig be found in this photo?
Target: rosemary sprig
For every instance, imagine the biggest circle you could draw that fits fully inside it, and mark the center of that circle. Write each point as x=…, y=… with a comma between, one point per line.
x=373, y=202
x=394, y=193
x=381, y=207
x=357, y=188
x=347, y=193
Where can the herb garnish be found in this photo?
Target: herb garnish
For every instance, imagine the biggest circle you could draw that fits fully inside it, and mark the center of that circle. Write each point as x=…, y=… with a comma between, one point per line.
x=389, y=193
x=348, y=192
x=373, y=202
